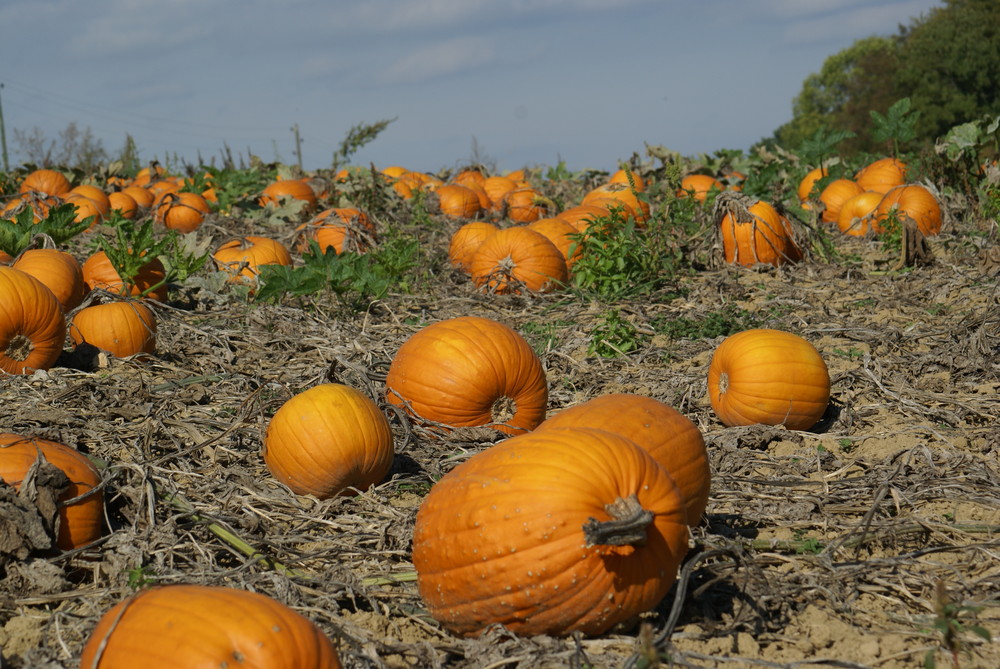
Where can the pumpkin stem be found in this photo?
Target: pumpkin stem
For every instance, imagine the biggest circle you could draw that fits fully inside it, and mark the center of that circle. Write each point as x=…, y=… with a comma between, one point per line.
x=19, y=348
x=626, y=527
x=503, y=409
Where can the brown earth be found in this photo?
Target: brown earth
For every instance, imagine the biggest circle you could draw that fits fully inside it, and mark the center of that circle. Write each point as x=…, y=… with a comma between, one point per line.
x=822, y=548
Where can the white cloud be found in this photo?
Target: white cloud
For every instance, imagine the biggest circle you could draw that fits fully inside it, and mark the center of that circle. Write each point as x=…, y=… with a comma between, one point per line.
x=450, y=57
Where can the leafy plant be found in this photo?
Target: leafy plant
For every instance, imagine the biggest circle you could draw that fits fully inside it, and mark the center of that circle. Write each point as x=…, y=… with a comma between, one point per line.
x=726, y=321
x=133, y=246
x=542, y=335
x=356, y=137
x=948, y=623
x=614, y=336
x=17, y=233
x=898, y=126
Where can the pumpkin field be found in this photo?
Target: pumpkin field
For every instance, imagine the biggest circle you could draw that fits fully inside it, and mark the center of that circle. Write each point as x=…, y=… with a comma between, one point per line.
x=379, y=412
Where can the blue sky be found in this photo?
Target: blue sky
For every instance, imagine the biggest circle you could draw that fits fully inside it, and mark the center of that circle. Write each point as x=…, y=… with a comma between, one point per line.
x=529, y=82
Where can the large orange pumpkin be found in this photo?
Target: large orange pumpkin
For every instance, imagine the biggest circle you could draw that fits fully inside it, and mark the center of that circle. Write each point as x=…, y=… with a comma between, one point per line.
x=45, y=181
x=770, y=377
x=123, y=328
x=754, y=232
x=914, y=202
x=855, y=217
x=563, y=235
x=623, y=194
x=98, y=272
x=275, y=191
x=205, y=626
x=181, y=211
x=671, y=438
x=558, y=531
x=80, y=523
x=466, y=241
x=469, y=371
x=32, y=327
x=241, y=258
x=328, y=440
x=516, y=257
x=457, y=201
x=525, y=205
x=882, y=175
x=58, y=270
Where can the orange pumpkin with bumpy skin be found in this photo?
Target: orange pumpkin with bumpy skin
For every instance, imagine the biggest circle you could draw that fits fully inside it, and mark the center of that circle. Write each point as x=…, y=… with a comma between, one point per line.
x=58, y=270
x=671, y=438
x=468, y=372
x=205, y=626
x=80, y=523
x=754, y=232
x=123, y=328
x=559, y=531
x=516, y=257
x=769, y=377
x=328, y=440
x=32, y=327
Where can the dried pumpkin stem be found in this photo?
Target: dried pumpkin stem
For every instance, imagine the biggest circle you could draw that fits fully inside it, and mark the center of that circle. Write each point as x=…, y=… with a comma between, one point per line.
x=627, y=525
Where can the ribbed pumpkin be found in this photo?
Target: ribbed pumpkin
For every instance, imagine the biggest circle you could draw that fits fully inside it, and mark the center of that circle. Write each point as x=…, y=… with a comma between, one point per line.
x=525, y=205
x=175, y=626
x=122, y=328
x=142, y=196
x=833, y=197
x=124, y=204
x=58, y=270
x=181, y=211
x=32, y=327
x=808, y=182
x=558, y=531
x=469, y=371
x=98, y=272
x=288, y=188
x=94, y=193
x=770, y=377
x=855, y=217
x=457, y=201
x=516, y=257
x=671, y=438
x=698, y=186
x=754, y=232
x=466, y=241
x=339, y=228
x=241, y=257
x=80, y=523
x=582, y=215
x=914, y=202
x=562, y=234
x=470, y=176
x=637, y=206
x=882, y=175
x=45, y=181
x=621, y=176
x=328, y=440
x=496, y=188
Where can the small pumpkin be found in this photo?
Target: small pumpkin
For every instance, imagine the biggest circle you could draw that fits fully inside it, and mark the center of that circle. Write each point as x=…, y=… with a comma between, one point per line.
x=466, y=241
x=289, y=189
x=457, y=201
x=912, y=201
x=171, y=626
x=95, y=194
x=582, y=215
x=142, y=196
x=671, y=438
x=241, y=258
x=124, y=204
x=525, y=205
x=58, y=270
x=623, y=176
x=624, y=194
x=882, y=175
x=699, y=186
x=516, y=257
x=32, y=327
x=769, y=377
x=339, y=228
x=754, y=232
x=558, y=531
x=181, y=211
x=45, y=181
x=150, y=280
x=328, y=441
x=808, y=183
x=122, y=328
x=80, y=522
x=469, y=371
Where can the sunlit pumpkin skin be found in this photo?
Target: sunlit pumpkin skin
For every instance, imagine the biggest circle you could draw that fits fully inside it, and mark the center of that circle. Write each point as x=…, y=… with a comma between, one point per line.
x=86, y=208
x=582, y=215
x=147, y=175
x=467, y=372
x=98, y=272
x=81, y=522
x=328, y=440
x=32, y=326
x=182, y=211
x=124, y=204
x=769, y=377
x=754, y=232
x=58, y=270
x=496, y=188
x=242, y=257
x=175, y=626
x=882, y=175
x=288, y=188
x=808, y=183
x=516, y=257
x=671, y=438
x=457, y=201
x=121, y=328
x=637, y=206
x=855, y=217
x=525, y=205
x=699, y=186
x=45, y=181
x=339, y=228
x=518, y=535
x=94, y=193
x=914, y=202
x=410, y=182
x=466, y=241
x=563, y=235
x=833, y=197
x=38, y=202
x=621, y=176
x=142, y=196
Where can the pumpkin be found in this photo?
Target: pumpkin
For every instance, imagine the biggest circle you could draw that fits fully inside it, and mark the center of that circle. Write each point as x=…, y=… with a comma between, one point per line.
x=855, y=217
x=470, y=176
x=58, y=270
x=671, y=438
x=516, y=257
x=45, y=181
x=339, y=228
x=496, y=188
x=205, y=626
x=457, y=201
x=148, y=175
x=142, y=196
x=833, y=197
x=241, y=257
x=621, y=176
x=582, y=215
x=394, y=171
x=558, y=531
x=525, y=205
x=161, y=187
x=121, y=328
x=563, y=235
x=32, y=327
x=150, y=280
x=469, y=371
x=699, y=186
x=808, y=182
x=289, y=189
x=754, y=232
x=95, y=194
x=38, y=202
x=86, y=208
x=80, y=522
x=466, y=241
x=328, y=441
x=914, y=202
x=181, y=211
x=124, y=204
x=637, y=207
x=882, y=175
x=769, y=377
x=409, y=182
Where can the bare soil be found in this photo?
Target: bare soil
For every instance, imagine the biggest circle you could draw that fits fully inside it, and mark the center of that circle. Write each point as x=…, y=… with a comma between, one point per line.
x=821, y=548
